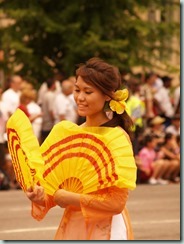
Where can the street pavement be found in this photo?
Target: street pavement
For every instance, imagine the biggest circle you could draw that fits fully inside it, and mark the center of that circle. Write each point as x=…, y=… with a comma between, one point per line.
x=154, y=211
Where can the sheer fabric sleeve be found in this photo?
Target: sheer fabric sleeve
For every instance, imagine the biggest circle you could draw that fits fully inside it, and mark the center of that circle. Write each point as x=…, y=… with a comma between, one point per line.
x=38, y=212
x=104, y=203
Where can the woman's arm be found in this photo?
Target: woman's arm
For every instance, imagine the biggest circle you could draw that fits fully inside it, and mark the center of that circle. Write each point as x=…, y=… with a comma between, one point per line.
x=41, y=202
x=106, y=202
x=36, y=195
x=65, y=198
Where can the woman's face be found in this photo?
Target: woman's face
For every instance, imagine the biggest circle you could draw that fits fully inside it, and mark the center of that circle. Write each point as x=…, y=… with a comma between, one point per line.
x=90, y=100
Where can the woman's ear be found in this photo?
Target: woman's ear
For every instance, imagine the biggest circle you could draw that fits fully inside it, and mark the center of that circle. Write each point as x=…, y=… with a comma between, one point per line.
x=107, y=98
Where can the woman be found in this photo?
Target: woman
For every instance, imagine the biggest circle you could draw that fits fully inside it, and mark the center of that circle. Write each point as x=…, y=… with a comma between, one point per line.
x=99, y=215
x=26, y=98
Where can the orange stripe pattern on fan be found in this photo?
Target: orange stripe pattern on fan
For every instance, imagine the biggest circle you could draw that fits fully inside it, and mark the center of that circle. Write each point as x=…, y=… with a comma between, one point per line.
x=90, y=157
x=90, y=154
x=78, y=159
x=23, y=176
x=24, y=150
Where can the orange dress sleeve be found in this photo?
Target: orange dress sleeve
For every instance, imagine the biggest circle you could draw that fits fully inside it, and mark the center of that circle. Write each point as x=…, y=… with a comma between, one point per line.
x=38, y=212
x=104, y=203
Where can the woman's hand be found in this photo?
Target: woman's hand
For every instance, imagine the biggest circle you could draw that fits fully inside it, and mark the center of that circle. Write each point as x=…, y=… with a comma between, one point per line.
x=36, y=195
x=65, y=198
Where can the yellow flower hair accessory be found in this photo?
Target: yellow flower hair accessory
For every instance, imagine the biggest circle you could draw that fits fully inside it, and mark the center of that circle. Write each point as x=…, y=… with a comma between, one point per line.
x=118, y=104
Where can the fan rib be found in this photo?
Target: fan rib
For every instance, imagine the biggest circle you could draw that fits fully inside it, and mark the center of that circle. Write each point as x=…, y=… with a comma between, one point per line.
x=17, y=168
x=86, y=136
x=15, y=144
x=79, y=154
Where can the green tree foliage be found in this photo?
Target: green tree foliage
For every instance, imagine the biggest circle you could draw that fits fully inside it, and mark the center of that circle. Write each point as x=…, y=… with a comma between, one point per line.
x=49, y=36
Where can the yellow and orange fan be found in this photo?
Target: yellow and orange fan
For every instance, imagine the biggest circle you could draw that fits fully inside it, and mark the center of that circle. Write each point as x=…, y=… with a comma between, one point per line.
x=77, y=159
x=24, y=150
x=86, y=159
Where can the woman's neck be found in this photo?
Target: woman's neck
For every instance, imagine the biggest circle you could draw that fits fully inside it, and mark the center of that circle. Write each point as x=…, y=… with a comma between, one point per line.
x=96, y=120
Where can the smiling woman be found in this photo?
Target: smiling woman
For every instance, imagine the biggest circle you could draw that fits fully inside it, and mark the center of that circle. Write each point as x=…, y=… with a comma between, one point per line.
x=96, y=86
x=90, y=101
x=99, y=213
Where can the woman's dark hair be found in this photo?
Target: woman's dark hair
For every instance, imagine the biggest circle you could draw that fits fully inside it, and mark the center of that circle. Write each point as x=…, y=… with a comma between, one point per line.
x=107, y=79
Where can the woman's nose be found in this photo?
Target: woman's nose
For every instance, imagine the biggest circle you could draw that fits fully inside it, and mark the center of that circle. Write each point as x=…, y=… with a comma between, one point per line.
x=81, y=96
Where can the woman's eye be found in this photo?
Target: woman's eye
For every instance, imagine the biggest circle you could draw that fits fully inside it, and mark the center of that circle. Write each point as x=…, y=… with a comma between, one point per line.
x=88, y=92
x=76, y=90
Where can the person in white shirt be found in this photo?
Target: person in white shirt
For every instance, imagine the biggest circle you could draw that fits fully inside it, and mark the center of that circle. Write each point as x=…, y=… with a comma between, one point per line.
x=176, y=100
x=163, y=100
x=44, y=88
x=65, y=107
x=3, y=118
x=12, y=95
x=10, y=100
x=47, y=108
x=34, y=109
x=3, y=164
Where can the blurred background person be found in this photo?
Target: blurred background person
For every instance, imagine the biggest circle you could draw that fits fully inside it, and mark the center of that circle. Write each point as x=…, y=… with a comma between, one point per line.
x=162, y=99
x=176, y=100
x=25, y=98
x=11, y=96
x=156, y=127
x=44, y=88
x=7, y=175
x=136, y=111
x=174, y=127
x=4, y=178
x=151, y=168
x=65, y=106
x=170, y=151
x=35, y=111
x=147, y=92
x=48, y=108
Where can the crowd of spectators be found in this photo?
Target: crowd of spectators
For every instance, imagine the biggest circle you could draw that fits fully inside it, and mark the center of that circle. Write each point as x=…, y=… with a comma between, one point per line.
x=153, y=104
